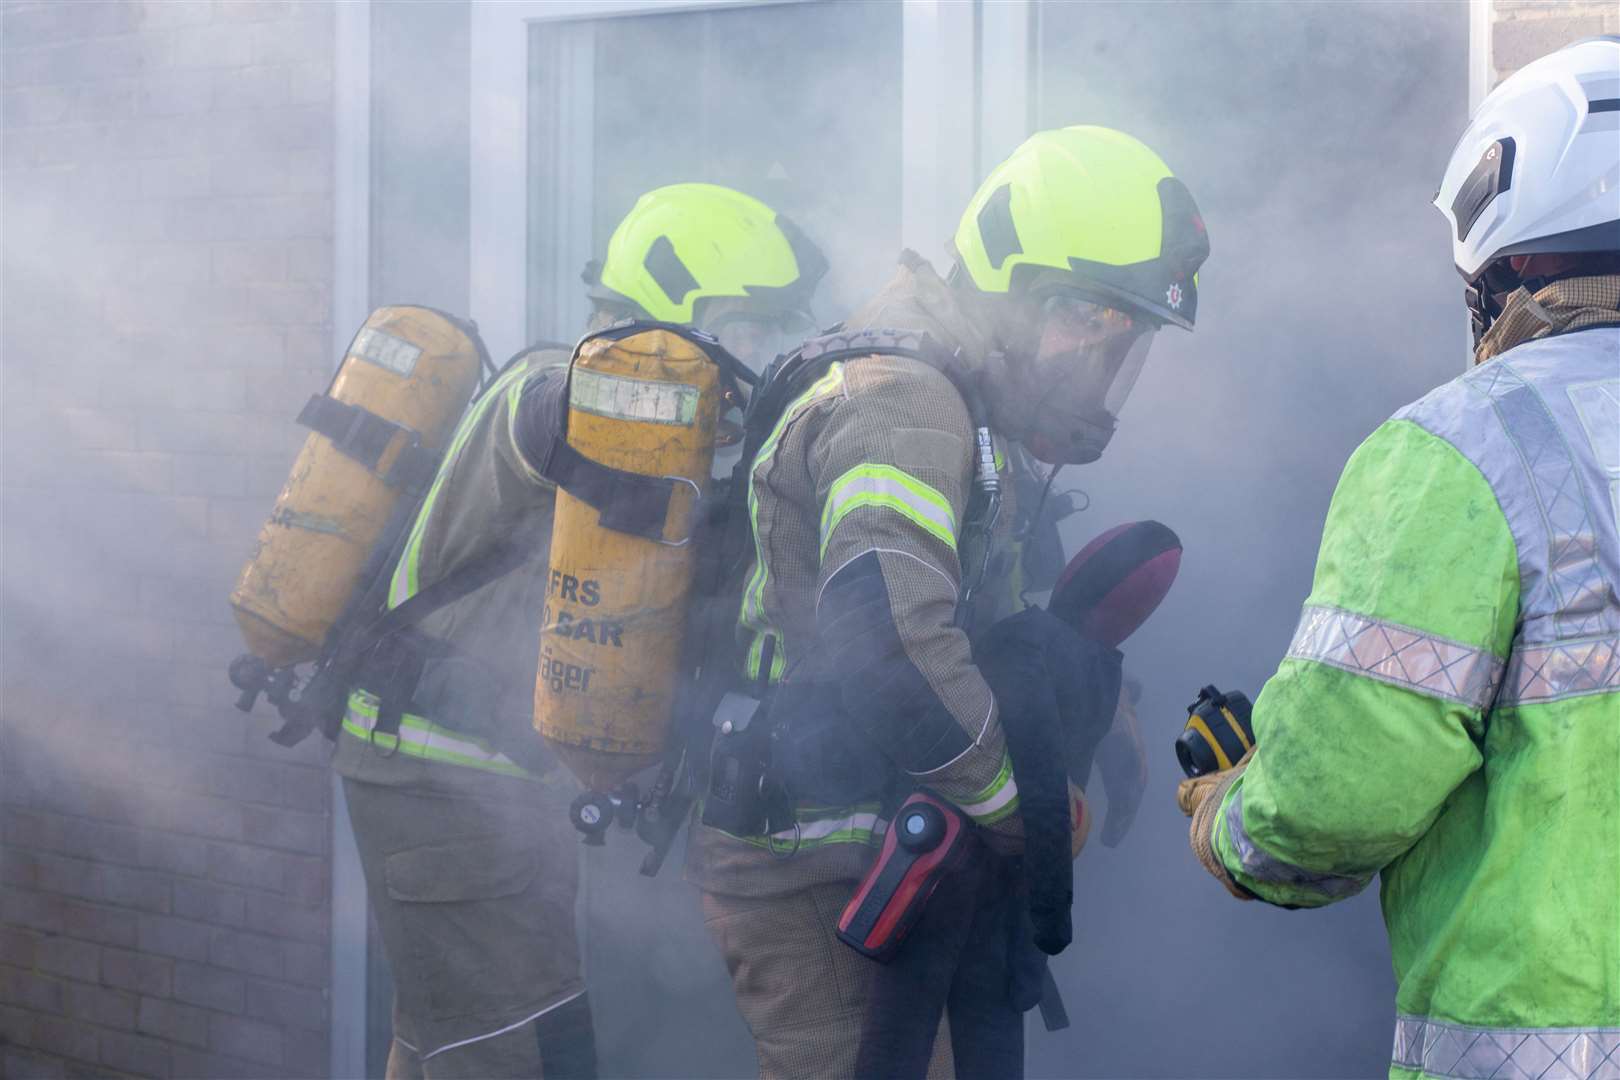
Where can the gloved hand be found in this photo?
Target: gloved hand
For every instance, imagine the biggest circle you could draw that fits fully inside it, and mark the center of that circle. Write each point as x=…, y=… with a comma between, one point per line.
x=1200, y=798
x=1122, y=761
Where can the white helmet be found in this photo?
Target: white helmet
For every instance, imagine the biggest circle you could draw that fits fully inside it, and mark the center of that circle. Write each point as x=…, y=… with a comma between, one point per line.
x=1538, y=169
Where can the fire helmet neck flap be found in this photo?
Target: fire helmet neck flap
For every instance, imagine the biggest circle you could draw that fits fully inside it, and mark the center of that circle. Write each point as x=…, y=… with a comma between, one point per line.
x=714, y=258
x=1081, y=244
x=1536, y=172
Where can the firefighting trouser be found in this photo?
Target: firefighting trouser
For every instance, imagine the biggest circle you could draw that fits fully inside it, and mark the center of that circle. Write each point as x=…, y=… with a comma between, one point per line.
x=474, y=898
x=802, y=992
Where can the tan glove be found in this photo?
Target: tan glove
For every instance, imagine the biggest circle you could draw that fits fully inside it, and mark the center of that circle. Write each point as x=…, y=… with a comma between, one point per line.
x=1200, y=798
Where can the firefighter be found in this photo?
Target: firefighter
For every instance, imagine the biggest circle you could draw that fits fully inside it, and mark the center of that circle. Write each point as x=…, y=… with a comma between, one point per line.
x=1073, y=253
x=459, y=814
x=1446, y=714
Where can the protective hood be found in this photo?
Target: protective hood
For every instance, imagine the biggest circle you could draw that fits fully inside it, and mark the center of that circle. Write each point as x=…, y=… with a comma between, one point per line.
x=1563, y=306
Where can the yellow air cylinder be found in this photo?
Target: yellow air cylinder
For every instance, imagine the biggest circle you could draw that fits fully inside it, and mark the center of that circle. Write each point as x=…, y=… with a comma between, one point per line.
x=407, y=365
x=616, y=603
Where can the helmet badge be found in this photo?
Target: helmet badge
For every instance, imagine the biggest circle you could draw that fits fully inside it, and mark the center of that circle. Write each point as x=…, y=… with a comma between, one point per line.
x=1172, y=296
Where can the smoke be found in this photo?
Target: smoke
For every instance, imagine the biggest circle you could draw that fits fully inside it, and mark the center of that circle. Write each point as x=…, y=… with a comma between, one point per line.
x=1312, y=136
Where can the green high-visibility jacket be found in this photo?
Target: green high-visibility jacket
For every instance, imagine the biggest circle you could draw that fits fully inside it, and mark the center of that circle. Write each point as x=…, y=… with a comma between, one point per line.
x=1448, y=717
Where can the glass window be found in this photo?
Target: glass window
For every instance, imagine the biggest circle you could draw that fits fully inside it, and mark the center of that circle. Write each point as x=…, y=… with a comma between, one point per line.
x=795, y=104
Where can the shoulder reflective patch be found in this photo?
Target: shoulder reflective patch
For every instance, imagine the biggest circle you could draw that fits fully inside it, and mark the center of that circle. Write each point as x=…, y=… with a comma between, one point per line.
x=623, y=398
x=385, y=350
x=1261, y=865
x=1597, y=404
x=1440, y=1049
x=1557, y=670
x=1398, y=655
x=889, y=488
x=1571, y=562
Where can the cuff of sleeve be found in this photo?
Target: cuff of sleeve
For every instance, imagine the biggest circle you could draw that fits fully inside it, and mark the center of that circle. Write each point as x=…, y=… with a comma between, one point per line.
x=986, y=803
x=1265, y=876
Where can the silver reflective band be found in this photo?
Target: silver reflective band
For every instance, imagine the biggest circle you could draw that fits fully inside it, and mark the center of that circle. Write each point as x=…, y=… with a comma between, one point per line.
x=624, y=398
x=1262, y=866
x=1574, y=572
x=1561, y=669
x=1398, y=655
x=385, y=350
x=1475, y=1053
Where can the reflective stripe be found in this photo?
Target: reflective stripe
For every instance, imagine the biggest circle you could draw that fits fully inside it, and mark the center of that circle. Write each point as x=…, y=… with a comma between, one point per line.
x=998, y=800
x=1561, y=669
x=1569, y=558
x=889, y=488
x=1260, y=865
x=861, y=825
x=498, y=1031
x=422, y=738
x=620, y=397
x=752, y=617
x=514, y=399
x=1475, y=1053
x=405, y=584
x=1397, y=655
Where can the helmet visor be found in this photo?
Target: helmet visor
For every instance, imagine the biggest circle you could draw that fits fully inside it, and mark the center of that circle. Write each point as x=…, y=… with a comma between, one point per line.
x=1090, y=353
x=1086, y=362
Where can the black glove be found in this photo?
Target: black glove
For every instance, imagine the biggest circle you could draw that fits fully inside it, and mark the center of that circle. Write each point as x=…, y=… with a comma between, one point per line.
x=1015, y=657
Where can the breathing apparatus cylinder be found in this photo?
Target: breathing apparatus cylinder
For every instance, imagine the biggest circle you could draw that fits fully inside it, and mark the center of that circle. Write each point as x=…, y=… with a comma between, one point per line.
x=378, y=428
x=643, y=403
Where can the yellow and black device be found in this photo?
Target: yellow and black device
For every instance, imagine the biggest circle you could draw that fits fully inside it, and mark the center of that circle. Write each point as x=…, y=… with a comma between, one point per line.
x=376, y=437
x=1219, y=732
x=632, y=470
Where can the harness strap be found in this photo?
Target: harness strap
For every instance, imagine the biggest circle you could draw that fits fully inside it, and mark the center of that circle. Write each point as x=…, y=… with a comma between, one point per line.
x=355, y=431
x=626, y=502
x=393, y=658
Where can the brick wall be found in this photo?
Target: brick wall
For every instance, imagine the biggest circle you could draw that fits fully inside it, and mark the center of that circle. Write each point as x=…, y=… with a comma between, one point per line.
x=167, y=218
x=1523, y=30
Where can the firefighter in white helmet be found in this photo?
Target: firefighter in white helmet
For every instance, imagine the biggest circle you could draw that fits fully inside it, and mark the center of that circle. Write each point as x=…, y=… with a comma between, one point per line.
x=1447, y=718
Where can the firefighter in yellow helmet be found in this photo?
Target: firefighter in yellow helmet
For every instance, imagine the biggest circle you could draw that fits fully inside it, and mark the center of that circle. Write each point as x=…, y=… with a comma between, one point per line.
x=459, y=814
x=869, y=531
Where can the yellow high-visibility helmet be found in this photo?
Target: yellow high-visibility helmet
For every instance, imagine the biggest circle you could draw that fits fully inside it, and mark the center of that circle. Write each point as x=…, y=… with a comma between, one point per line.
x=685, y=244
x=1087, y=210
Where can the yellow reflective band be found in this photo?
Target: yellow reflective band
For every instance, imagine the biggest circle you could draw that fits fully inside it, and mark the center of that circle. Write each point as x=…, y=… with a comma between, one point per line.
x=752, y=616
x=404, y=584
x=888, y=488
x=1196, y=722
x=421, y=738
x=861, y=824
x=998, y=800
x=756, y=656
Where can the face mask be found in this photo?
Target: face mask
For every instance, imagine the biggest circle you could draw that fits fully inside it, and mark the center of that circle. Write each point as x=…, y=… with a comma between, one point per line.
x=1086, y=363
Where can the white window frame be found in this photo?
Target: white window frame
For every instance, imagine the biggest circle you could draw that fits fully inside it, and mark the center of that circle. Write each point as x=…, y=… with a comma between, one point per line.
x=351, y=303
x=940, y=168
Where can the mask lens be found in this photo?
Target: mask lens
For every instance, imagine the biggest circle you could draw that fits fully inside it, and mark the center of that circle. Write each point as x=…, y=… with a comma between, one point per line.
x=1090, y=355
x=1130, y=368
